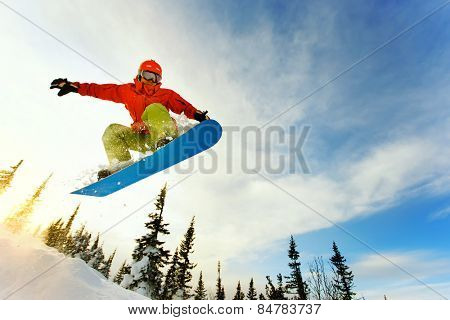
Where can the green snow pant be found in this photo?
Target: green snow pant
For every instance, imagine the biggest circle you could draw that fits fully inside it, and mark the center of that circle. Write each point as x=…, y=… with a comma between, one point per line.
x=118, y=140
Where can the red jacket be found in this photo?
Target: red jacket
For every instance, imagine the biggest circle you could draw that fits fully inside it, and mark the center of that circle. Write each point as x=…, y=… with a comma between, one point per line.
x=137, y=97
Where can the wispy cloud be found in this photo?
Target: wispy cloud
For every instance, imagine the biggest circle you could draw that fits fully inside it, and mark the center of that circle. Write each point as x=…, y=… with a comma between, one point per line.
x=441, y=214
x=377, y=277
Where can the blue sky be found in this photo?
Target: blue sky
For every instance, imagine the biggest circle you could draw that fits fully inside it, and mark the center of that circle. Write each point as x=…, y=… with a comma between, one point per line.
x=378, y=146
x=400, y=91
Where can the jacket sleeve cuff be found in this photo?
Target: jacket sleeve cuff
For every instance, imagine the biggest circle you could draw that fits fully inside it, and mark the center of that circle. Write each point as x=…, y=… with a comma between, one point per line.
x=82, y=88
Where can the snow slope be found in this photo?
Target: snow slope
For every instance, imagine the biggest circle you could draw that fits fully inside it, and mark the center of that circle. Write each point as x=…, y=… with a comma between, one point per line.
x=31, y=270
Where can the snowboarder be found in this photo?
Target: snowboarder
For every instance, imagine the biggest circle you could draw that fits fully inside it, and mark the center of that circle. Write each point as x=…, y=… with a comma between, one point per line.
x=148, y=105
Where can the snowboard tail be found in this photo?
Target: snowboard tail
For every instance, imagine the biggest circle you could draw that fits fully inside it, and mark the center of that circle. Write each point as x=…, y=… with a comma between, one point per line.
x=198, y=139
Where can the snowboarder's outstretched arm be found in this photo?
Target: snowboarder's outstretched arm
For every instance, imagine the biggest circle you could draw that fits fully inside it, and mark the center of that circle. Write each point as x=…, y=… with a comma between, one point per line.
x=110, y=92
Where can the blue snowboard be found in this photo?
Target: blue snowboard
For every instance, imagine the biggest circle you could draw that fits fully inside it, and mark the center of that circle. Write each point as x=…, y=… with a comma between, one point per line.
x=200, y=138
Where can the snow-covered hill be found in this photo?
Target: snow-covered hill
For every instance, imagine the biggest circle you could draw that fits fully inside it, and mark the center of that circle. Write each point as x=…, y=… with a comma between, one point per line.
x=31, y=270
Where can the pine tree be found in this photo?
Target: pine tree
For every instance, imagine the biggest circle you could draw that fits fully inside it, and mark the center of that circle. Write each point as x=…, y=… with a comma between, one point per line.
x=96, y=254
x=275, y=293
x=68, y=244
x=52, y=233
x=295, y=283
x=280, y=288
x=105, y=266
x=58, y=236
x=271, y=291
x=185, y=265
x=6, y=177
x=80, y=247
x=252, y=294
x=149, y=256
x=239, y=294
x=220, y=290
x=343, y=277
x=261, y=297
x=200, y=292
x=171, y=279
x=65, y=236
x=18, y=221
x=124, y=269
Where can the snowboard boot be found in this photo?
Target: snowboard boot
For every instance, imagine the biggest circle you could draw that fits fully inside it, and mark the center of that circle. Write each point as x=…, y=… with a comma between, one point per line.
x=162, y=142
x=103, y=174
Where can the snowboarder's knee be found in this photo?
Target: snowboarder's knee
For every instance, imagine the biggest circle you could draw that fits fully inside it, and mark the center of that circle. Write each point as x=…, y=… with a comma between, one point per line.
x=153, y=110
x=111, y=130
x=158, y=106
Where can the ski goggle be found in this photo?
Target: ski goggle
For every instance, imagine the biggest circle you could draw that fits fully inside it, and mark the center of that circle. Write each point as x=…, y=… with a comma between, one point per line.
x=151, y=76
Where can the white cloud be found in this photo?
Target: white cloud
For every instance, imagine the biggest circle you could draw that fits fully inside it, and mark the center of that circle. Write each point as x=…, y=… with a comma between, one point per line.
x=377, y=276
x=441, y=214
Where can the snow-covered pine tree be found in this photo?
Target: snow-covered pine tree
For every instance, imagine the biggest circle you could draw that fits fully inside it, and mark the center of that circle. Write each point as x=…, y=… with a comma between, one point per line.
x=252, y=294
x=149, y=256
x=81, y=242
x=105, y=266
x=220, y=290
x=343, y=277
x=185, y=265
x=17, y=221
x=68, y=244
x=200, y=291
x=96, y=254
x=6, y=177
x=294, y=282
x=239, y=294
x=171, y=279
x=124, y=269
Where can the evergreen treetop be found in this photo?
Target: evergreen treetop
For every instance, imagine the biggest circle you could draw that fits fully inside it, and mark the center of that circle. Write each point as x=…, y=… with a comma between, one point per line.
x=149, y=255
x=295, y=284
x=171, y=279
x=185, y=265
x=6, y=176
x=275, y=293
x=239, y=294
x=200, y=291
x=343, y=277
x=105, y=266
x=220, y=290
x=19, y=220
x=123, y=270
x=252, y=294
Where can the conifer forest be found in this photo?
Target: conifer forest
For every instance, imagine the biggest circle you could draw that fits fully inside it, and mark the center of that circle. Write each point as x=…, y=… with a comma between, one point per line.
x=155, y=272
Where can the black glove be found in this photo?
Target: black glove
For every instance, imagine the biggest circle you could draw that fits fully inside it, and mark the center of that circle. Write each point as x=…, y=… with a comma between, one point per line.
x=64, y=86
x=201, y=116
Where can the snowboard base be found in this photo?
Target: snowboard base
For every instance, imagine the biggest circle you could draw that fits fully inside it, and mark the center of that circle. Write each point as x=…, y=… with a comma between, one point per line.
x=196, y=140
